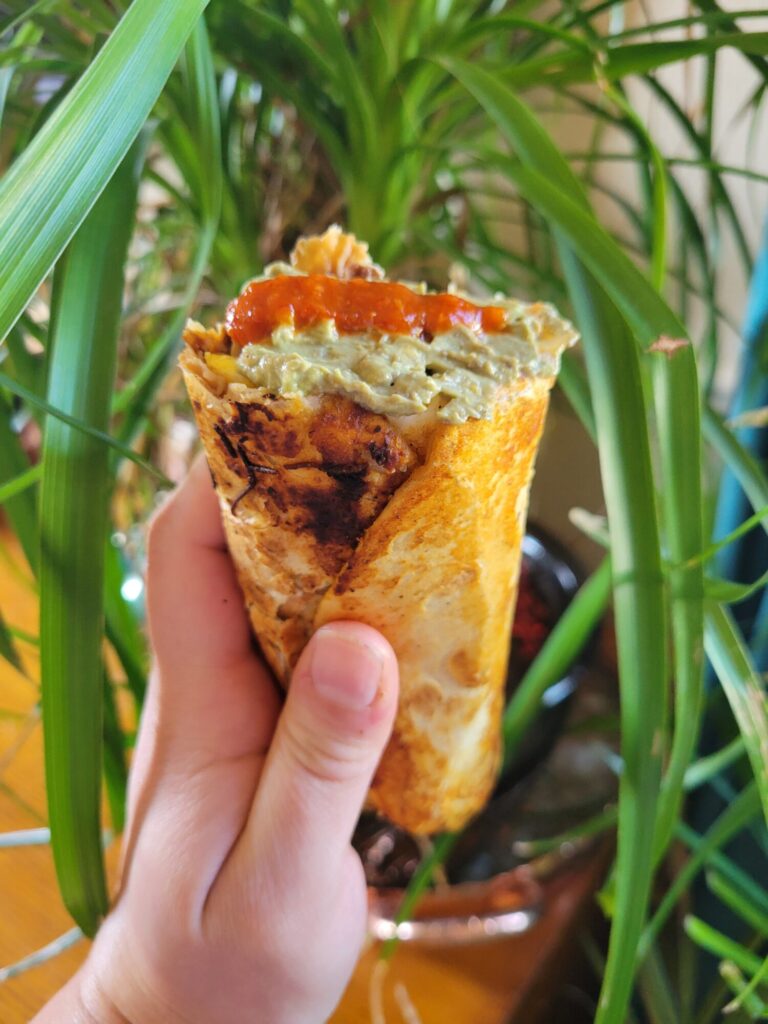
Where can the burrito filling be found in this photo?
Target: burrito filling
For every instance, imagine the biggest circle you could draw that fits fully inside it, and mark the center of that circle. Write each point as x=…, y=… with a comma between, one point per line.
x=392, y=347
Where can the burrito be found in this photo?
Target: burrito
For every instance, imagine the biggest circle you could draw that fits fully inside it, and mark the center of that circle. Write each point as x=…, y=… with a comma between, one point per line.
x=372, y=446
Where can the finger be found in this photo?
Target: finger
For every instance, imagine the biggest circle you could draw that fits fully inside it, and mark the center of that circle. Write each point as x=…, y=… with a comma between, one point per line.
x=334, y=727
x=194, y=604
x=215, y=699
x=211, y=707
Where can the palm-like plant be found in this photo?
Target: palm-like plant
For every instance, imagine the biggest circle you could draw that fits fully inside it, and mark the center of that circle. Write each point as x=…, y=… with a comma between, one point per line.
x=414, y=124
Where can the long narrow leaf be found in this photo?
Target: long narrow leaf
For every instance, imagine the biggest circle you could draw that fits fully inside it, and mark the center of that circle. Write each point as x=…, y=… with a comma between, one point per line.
x=734, y=898
x=8, y=647
x=745, y=466
x=733, y=819
x=73, y=518
x=20, y=483
x=675, y=385
x=620, y=417
x=82, y=427
x=123, y=628
x=20, y=506
x=205, y=178
x=744, y=689
x=50, y=188
x=561, y=647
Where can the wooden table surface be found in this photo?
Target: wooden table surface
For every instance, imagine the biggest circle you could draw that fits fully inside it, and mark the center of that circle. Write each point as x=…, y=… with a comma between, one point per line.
x=484, y=984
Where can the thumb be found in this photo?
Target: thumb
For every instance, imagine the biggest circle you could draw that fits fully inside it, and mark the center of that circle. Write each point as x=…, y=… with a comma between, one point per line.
x=333, y=729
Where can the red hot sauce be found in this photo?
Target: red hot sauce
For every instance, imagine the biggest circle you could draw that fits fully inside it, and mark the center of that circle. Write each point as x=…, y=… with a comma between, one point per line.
x=356, y=306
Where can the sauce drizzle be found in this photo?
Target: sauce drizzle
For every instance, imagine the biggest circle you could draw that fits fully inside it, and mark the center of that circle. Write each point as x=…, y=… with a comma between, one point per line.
x=356, y=306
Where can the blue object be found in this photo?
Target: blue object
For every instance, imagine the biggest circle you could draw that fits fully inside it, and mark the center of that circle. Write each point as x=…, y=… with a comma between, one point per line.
x=747, y=558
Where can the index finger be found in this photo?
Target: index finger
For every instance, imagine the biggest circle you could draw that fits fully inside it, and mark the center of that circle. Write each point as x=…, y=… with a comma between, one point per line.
x=213, y=692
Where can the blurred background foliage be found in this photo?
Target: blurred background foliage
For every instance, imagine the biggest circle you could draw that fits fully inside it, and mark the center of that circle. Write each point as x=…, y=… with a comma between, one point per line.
x=535, y=147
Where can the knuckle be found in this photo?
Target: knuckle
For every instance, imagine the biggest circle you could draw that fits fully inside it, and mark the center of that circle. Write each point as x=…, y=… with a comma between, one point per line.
x=325, y=758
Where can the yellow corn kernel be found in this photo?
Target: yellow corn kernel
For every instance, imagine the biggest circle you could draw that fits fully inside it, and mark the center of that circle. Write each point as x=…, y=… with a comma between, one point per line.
x=225, y=366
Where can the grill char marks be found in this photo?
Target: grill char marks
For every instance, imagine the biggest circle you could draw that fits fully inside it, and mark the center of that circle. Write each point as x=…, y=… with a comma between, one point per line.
x=299, y=485
x=326, y=474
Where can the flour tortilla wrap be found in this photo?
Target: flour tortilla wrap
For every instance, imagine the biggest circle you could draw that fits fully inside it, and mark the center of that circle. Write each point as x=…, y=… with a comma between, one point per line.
x=408, y=523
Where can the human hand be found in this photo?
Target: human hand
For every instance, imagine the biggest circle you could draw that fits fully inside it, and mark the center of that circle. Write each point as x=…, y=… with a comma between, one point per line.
x=241, y=898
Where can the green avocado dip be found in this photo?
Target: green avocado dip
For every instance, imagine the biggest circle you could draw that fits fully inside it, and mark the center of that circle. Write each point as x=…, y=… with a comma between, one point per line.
x=397, y=375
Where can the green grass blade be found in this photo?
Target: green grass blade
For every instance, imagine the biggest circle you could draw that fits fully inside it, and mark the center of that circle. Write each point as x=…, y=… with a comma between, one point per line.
x=122, y=627
x=734, y=898
x=561, y=647
x=34, y=8
x=748, y=886
x=675, y=386
x=529, y=138
x=575, y=386
x=645, y=310
x=115, y=765
x=594, y=826
x=708, y=767
x=728, y=592
x=620, y=415
x=83, y=427
x=744, y=689
x=756, y=519
x=202, y=127
x=21, y=507
x=655, y=990
x=736, y=816
x=20, y=483
x=713, y=8
x=720, y=945
x=721, y=195
x=639, y=606
x=744, y=465
x=657, y=187
x=745, y=993
x=8, y=647
x=73, y=517
x=442, y=846
x=27, y=369
x=50, y=188
x=639, y=58
x=716, y=18
x=26, y=35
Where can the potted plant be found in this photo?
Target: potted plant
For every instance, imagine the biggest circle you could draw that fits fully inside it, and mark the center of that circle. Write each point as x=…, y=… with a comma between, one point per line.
x=430, y=130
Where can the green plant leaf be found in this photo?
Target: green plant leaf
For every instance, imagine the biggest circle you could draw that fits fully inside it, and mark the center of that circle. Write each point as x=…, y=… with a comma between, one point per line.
x=122, y=627
x=745, y=993
x=201, y=130
x=560, y=649
x=620, y=417
x=20, y=483
x=441, y=848
x=743, y=687
x=50, y=188
x=720, y=945
x=20, y=505
x=728, y=592
x=734, y=898
x=675, y=385
x=744, y=465
x=114, y=764
x=73, y=518
x=84, y=428
x=8, y=647
x=710, y=765
x=736, y=816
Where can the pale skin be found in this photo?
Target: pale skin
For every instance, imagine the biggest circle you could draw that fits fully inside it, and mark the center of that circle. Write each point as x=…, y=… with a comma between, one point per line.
x=241, y=897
